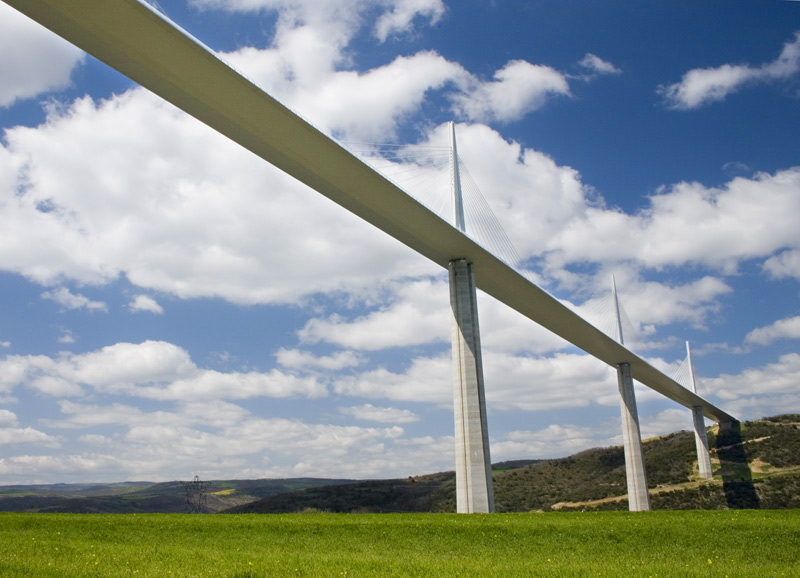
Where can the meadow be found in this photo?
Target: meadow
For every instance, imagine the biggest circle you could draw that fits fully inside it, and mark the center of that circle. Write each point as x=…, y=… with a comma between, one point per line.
x=697, y=543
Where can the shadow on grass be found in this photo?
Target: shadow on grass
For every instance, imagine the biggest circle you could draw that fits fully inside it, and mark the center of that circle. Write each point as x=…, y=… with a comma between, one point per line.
x=737, y=480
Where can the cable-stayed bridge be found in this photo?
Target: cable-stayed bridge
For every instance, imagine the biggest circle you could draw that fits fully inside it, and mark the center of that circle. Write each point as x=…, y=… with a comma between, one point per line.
x=142, y=44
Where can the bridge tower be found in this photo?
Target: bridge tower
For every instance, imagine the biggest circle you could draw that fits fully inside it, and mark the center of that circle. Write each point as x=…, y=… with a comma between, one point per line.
x=638, y=498
x=474, y=492
x=700, y=437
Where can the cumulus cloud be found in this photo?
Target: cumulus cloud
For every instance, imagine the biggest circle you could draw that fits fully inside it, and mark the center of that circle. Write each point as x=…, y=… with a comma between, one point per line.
x=369, y=412
x=12, y=434
x=216, y=438
x=370, y=105
x=689, y=223
x=760, y=391
x=197, y=225
x=518, y=88
x=783, y=265
x=306, y=360
x=702, y=86
x=8, y=418
x=782, y=329
x=66, y=336
x=27, y=435
x=564, y=380
x=528, y=383
x=667, y=421
x=398, y=19
x=145, y=303
x=425, y=380
x=660, y=303
x=553, y=441
x=157, y=204
x=151, y=369
x=417, y=313
x=596, y=66
x=35, y=61
x=69, y=300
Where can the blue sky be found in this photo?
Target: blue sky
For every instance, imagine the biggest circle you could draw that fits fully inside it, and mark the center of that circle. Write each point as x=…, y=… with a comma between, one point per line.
x=172, y=306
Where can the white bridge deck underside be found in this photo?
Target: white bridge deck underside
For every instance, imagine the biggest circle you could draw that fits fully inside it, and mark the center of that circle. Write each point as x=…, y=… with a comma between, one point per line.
x=141, y=44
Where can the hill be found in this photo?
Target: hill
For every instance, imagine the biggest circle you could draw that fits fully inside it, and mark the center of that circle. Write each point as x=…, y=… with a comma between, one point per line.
x=757, y=465
x=146, y=497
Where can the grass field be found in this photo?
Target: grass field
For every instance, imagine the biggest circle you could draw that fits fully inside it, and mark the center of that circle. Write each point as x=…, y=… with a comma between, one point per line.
x=696, y=543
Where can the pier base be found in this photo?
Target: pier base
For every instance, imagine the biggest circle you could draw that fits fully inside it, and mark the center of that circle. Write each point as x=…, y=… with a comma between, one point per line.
x=701, y=440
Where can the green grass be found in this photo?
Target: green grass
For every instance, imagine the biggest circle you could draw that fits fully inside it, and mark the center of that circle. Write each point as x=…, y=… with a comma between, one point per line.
x=697, y=543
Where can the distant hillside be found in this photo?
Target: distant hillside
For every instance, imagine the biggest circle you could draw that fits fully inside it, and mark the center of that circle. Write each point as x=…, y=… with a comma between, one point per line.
x=144, y=497
x=417, y=494
x=757, y=465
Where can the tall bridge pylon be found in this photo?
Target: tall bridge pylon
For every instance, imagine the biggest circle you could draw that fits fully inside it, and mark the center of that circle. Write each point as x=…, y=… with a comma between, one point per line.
x=638, y=497
x=474, y=492
x=701, y=439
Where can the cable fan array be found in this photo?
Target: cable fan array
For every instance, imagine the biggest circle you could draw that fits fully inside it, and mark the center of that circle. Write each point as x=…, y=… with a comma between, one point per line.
x=423, y=172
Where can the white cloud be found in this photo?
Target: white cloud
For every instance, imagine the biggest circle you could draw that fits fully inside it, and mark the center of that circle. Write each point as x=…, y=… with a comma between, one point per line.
x=12, y=434
x=597, y=66
x=369, y=105
x=418, y=314
x=194, y=223
x=782, y=329
x=395, y=17
x=89, y=466
x=145, y=303
x=220, y=438
x=66, y=336
x=305, y=360
x=369, y=412
x=666, y=422
x=553, y=441
x=155, y=203
x=705, y=85
x=70, y=301
x=503, y=330
x=152, y=369
x=27, y=435
x=564, y=380
x=660, y=303
x=770, y=389
x=785, y=264
x=702, y=86
x=518, y=88
x=691, y=224
x=5, y=344
x=34, y=60
x=400, y=17
x=426, y=380
x=8, y=418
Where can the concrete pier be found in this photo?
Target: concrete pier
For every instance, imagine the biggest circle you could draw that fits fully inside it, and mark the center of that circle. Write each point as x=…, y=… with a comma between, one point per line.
x=701, y=441
x=638, y=498
x=700, y=437
x=474, y=492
